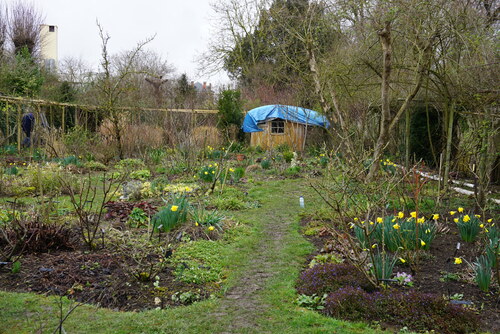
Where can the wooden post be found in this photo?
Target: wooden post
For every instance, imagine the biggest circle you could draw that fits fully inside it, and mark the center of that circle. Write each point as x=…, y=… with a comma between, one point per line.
x=407, y=139
x=63, y=121
x=7, y=120
x=77, y=121
x=19, y=119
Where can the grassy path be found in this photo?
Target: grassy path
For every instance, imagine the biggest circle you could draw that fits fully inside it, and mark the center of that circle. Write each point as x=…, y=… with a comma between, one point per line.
x=262, y=264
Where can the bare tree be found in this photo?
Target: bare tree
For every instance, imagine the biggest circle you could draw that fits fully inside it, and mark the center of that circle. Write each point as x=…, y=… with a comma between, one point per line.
x=3, y=30
x=113, y=85
x=24, y=28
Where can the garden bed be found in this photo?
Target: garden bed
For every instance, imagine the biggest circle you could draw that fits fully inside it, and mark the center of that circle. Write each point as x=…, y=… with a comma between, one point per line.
x=438, y=274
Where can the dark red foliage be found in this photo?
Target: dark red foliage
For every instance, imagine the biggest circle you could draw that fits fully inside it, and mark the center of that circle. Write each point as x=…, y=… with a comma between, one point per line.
x=35, y=236
x=413, y=309
x=121, y=210
x=326, y=278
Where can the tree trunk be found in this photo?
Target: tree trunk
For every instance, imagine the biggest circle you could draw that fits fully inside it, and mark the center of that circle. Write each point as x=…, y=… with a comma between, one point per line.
x=449, y=138
x=385, y=39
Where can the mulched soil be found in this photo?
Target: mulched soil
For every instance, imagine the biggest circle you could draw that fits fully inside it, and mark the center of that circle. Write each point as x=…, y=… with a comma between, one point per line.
x=434, y=267
x=99, y=277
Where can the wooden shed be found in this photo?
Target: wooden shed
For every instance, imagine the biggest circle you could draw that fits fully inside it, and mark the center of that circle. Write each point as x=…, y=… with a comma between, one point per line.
x=275, y=125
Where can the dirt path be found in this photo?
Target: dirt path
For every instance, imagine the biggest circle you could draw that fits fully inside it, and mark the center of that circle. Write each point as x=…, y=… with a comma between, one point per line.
x=242, y=304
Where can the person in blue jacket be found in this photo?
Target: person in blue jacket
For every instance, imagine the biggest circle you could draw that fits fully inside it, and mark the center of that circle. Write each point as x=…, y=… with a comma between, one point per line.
x=27, y=124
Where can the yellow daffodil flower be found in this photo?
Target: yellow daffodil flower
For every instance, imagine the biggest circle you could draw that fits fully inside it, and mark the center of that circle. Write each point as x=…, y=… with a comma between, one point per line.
x=481, y=226
x=455, y=220
x=452, y=212
x=490, y=220
x=379, y=220
x=196, y=224
x=211, y=228
x=396, y=226
x=435, y=216
x=458, y=260
x=413, y=214
x=466, y=218
x=477, y=216
x=402, y=260
x=374, y=245
x=356, y=219
x=371, y=223
x=401, y=215
x=460, y=209
x=174, y=208
x=421, y=220
x=422, y=243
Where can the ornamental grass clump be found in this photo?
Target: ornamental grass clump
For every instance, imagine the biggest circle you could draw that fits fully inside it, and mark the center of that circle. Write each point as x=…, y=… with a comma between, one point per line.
x=171, y=216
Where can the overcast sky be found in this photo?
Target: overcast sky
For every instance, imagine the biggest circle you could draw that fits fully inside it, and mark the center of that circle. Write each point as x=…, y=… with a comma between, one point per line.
x=182, y=29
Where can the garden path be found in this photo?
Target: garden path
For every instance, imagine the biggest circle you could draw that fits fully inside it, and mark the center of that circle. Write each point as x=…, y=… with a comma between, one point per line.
x=243, y=305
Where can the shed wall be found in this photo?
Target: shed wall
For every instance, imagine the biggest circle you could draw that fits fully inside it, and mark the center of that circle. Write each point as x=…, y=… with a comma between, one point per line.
x=293, y=136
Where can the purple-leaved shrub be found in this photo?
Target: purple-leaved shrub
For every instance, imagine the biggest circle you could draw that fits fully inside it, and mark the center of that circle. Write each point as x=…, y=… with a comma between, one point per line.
x=415, y=310
x=329, y=277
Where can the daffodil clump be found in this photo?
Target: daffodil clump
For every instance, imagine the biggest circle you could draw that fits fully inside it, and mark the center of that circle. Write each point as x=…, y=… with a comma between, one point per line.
x=396, y=232
x=388, y=166
x=468, y=225
x=172, y=215
x=150, y=190
x=208, y=173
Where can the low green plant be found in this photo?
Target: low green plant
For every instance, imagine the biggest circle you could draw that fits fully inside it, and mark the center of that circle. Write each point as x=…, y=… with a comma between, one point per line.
x=198, y=262
x=11, y=170
x=313, y=302
x=292, y=171
x=138, y=218
x=231, y=203
x=237, y=173
x=468, y=226
x=174, y=214
x=207, y=218
x=71, y=160
x=16, y=267
x=492, y=251
x=265, y=164
x=142, y=174
x=156, y=155
x=130, y=164
x=325, y=258
x=382, y=266
x=186, y=298
x=95, y=166
x=288, y=156
x=482, y=270
x=447, y=276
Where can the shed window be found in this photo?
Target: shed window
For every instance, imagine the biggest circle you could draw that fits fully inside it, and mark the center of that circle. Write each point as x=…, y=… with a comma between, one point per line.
x=277, y=127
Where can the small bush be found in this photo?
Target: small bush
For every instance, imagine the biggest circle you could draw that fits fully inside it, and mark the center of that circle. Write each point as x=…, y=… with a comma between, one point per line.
x=265, y=164
x=415, y=310
x=326, y=278
x=142, y=174
x=288, y=156
x=130, y=164
x=95, y=166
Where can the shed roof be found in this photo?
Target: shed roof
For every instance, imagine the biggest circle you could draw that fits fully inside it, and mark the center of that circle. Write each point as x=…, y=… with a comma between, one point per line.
x=289, y=113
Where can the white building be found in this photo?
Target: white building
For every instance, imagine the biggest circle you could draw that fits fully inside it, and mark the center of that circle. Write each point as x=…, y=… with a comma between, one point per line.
x=48, y=34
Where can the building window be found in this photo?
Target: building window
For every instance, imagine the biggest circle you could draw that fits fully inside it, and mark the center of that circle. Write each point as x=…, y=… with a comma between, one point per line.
x=277, y=127
x=52, y=28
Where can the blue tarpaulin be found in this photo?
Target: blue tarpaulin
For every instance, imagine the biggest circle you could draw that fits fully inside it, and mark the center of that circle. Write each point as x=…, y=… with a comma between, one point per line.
x=289, y=113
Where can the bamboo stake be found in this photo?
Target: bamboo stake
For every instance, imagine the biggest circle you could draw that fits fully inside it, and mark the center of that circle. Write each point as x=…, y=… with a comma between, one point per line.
x=63, y=119
x=18, y=128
